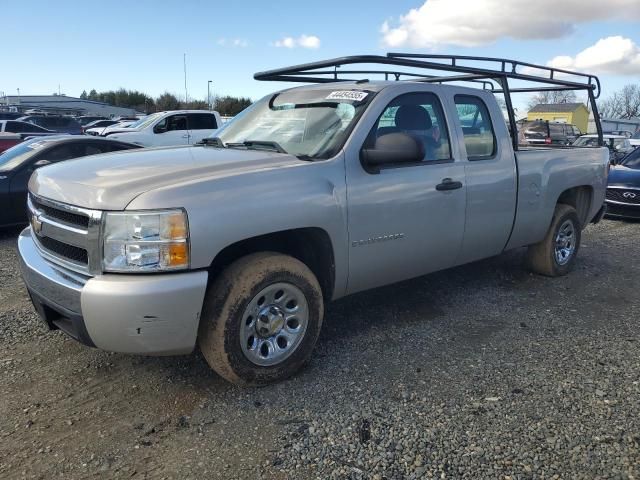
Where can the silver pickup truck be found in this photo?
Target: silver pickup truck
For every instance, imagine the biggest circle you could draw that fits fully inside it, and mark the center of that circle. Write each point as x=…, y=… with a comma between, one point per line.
x=311, y=194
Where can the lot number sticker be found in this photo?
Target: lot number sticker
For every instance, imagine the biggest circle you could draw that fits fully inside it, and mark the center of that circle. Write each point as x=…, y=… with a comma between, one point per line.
x=348, y=95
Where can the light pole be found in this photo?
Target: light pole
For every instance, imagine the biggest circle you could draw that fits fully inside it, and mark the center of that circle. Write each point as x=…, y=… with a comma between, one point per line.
x=209, y=94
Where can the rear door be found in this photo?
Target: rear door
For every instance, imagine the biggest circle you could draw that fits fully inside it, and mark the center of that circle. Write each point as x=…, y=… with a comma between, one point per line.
x=201, y=125
x=401, y=222
x=490, y=173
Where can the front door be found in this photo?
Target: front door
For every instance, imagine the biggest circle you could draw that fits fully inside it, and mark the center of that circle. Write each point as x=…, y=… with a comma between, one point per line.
x=406, y=220
x=171, y=131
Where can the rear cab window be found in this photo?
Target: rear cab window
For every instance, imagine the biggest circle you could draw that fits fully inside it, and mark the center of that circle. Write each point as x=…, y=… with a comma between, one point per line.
x=479, y=136
x=201, y=121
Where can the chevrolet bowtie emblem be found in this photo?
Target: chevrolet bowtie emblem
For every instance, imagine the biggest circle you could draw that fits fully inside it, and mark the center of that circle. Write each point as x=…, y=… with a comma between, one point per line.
x=36, y=224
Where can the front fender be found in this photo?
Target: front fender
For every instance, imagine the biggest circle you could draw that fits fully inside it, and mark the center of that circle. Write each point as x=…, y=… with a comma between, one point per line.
x=227, y=210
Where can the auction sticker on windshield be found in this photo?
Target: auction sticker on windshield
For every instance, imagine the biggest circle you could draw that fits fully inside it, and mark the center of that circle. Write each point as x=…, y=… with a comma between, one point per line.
x=353, y=95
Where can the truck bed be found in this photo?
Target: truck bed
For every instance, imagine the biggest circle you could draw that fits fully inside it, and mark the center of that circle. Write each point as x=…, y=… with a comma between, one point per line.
x=543, y=175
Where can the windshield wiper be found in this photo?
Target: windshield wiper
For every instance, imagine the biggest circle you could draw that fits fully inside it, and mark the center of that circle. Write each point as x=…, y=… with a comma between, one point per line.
x=214, y=141
x=275, y=146
x=252, y=144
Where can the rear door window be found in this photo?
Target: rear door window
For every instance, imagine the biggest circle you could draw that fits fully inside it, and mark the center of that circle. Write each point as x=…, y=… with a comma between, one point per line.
x=202, y=121
x=477, y=129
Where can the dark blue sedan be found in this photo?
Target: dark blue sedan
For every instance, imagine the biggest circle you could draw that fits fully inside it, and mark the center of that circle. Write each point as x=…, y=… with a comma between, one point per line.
x=623, y=191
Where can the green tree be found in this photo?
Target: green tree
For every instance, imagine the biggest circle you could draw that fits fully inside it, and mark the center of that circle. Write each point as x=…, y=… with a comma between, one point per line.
x=83, y=95
x=231, y=106
x=93, y=95
x=167, y=101
x=194, y=105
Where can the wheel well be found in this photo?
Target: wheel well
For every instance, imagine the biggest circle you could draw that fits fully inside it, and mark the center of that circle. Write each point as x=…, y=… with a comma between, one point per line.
x=580, y=199
x=312, y=246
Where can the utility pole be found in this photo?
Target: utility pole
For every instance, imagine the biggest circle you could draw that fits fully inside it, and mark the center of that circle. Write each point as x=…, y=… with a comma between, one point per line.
x=209, y=95
x=186, y=96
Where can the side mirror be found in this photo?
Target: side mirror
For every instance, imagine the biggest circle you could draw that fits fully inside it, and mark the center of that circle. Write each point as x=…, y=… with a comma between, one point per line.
x=392, y=148
x=160, y=128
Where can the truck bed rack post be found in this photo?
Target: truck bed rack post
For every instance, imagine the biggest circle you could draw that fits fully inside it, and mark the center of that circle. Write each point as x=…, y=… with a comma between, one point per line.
x=490, y=72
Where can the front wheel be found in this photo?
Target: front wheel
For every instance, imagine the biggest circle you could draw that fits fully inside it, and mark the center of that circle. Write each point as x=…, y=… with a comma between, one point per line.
x=555, y=255
x=261, y=319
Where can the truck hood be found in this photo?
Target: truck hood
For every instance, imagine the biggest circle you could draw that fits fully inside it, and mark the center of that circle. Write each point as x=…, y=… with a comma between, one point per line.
x=111, y=181
x=622, y=176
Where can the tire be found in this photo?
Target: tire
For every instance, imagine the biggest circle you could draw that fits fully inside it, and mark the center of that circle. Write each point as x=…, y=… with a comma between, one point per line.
x=252, y=343
x=543, y=257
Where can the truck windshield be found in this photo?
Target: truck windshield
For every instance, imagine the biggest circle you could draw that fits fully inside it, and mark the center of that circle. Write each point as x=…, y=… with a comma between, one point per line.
x=143, y=122
x=310, y=124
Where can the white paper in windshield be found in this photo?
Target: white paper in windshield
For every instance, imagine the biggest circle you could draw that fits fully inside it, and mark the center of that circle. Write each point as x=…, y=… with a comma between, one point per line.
x=352, y=95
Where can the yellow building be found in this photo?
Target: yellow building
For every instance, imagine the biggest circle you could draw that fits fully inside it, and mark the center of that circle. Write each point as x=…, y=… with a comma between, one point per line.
x=574, y=113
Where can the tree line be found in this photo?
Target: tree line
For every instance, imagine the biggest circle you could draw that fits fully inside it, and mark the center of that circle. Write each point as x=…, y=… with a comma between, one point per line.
x=141, y=102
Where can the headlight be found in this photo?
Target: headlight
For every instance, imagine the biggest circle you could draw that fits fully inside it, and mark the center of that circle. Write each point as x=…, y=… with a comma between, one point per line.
x=146, y=241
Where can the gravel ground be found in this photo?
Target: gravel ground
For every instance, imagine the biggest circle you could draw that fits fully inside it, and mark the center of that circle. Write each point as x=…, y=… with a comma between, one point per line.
x=483, y=371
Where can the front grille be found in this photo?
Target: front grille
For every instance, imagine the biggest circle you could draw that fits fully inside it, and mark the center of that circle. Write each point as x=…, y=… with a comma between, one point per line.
x=64, y=250
x=631, y=197
x=66, y=234
x=61, y=215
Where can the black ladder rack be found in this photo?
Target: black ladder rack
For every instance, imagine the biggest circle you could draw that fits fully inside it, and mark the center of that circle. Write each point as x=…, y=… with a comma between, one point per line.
x=492, y=73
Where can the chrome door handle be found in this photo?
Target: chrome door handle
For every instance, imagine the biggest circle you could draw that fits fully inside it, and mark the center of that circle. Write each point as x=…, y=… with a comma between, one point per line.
x=185, y=136
x=448, y=184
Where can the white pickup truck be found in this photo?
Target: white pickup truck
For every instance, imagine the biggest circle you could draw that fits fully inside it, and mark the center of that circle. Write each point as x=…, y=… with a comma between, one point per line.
x=311, y=194
x=172, y=128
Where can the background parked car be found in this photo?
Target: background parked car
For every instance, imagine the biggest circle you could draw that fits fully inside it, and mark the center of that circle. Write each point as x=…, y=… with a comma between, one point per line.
x=103, y=123
x=550, y=133
x=104, y=131
x=635, y=139
x=25, y=129
x=180, y=127
x=623, y=189
x=619, y=145
x=8, y=140
x=623, y=133
x=86, y=119
x=55, y=123
x=18, y=163
x=10, y=115
x=14, y=132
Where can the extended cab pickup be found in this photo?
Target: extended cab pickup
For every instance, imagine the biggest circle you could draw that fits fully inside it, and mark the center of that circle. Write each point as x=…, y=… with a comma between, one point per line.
x=172, y=128
x=311, y=194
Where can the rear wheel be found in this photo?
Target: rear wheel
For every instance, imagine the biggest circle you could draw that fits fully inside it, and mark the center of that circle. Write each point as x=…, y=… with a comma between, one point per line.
x=261, y=319
x=555, y=255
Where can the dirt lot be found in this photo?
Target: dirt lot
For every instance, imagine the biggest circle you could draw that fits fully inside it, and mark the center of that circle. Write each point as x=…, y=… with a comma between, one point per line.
x=483, y=371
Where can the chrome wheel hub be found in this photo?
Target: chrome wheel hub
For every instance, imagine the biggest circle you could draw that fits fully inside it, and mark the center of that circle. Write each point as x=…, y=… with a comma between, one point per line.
x=270, y=321
x=565, y=242
x=273, y=324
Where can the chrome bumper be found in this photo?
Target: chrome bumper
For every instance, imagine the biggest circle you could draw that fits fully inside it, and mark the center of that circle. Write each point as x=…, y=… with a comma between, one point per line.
x=155, y=314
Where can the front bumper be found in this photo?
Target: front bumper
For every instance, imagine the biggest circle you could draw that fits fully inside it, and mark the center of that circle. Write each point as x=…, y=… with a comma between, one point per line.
x=154, y=314
x=622, y=210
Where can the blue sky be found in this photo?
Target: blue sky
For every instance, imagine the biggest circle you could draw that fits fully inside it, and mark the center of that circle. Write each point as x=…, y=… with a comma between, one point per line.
x=140, y=44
